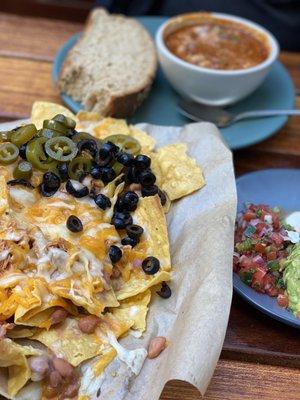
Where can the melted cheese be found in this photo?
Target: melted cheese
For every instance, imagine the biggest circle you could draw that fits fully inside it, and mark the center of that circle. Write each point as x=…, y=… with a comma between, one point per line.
x=4, y=254
x=22, y=196
x=134, y=359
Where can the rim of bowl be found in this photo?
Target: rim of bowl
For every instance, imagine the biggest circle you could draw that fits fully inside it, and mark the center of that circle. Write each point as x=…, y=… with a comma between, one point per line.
x=272, y=41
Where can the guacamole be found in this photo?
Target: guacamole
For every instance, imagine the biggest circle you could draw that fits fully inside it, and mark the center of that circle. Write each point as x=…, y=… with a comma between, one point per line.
x=292, y=280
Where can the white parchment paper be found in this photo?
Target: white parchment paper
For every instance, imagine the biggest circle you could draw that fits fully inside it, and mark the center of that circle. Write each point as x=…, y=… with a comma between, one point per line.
x=194, y=319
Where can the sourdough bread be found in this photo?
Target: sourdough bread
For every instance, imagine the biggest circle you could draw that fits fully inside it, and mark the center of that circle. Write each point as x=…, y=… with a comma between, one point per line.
x=111, y=68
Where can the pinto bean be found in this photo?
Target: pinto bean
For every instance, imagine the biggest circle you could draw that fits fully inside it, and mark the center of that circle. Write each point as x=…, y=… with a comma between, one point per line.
x=71, y=390
x=39, y=366
x=135, y=187
x=115, y=273
x=50, y=392
x=156, y=346
x=55, y=379
x=58, y=316
x=88, y=324
x=63, y=367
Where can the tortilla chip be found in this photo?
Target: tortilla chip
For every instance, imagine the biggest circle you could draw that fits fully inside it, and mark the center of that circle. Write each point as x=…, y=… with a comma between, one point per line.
x=151, y=217
x=86, y=121
x=110, y=126
x=4, y=205
x=39, y=304
x=46, y=110
x=19, y=332
x=69, y=342
x=177, y=174
x=13, y=357
x=88, y=116
x=146, y=141
x=135, y=308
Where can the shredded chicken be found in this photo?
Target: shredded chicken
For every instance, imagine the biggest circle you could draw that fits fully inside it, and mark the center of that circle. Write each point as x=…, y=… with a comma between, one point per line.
x=5, y=257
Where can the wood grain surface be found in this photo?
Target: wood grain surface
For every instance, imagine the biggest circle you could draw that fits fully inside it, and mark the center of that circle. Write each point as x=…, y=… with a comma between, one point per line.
x=260, y=357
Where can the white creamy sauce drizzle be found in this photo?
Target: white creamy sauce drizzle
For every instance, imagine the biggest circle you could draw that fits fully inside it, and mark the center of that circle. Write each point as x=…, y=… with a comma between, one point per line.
x=95, y=230
x=134, y=359
x=90, y=382
x=22, y=196
x=294, y=220
x=61, y=204
x=294, y=237
x=136, y=334
x=11, y=280
x=14, y=236
x=4, y=254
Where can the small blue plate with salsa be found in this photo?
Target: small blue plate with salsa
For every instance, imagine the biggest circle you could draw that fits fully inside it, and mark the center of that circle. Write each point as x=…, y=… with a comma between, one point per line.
x=276, y=188
x=277, y=92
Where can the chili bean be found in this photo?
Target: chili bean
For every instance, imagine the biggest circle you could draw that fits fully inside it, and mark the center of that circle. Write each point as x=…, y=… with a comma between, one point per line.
x=88, y=324
x=39, y=366
x=156, y=346
x=58, y=316
x=115, y=273
x=55, y=379
x=63, y=367
x=50, y=392
x=71, y=390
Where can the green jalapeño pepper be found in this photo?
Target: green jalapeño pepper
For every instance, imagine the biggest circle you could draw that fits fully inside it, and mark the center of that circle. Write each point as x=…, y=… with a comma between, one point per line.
x=117, y=167
x=127, y=143
x=61, y=148
x=79, y=166
x=23, y=170
x=48, y=133
x=8, y=153
x=5, y=136
x=68, y=122
x=56, y=126
x=23, y=134
x=36, y=155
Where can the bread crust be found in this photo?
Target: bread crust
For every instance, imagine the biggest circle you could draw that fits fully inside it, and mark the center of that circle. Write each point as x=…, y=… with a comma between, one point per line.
x=118, y=106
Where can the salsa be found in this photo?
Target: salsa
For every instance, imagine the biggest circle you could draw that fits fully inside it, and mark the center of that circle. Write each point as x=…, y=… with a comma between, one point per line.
x=263, y=242
x=218, y=44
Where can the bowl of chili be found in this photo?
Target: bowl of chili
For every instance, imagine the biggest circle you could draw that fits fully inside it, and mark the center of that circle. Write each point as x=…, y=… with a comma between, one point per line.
x=215, y=59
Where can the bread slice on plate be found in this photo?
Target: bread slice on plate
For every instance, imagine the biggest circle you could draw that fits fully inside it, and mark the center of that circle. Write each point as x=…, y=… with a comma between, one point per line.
x=111, y=68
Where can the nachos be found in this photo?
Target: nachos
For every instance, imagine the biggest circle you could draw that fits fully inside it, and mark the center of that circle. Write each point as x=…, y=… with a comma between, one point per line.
x=83, y=239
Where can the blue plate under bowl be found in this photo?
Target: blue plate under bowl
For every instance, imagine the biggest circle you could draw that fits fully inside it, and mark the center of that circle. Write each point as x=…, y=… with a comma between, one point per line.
x=277, y=92
x=275, y=187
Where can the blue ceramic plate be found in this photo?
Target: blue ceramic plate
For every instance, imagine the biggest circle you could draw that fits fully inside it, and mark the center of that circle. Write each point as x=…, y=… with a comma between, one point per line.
x=275, y=187
x=160, y=107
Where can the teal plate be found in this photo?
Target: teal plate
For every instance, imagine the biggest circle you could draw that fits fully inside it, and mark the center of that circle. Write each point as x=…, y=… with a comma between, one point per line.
x=277, y=92
x=277, y=188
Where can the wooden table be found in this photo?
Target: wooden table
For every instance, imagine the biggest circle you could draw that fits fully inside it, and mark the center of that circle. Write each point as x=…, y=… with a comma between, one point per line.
x=260, y=357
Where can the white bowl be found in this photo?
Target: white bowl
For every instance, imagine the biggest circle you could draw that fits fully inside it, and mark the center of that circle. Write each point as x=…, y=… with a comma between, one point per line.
x=212, y=86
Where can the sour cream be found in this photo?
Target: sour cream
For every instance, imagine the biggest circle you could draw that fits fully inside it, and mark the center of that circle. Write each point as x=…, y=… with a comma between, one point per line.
x=294, y=220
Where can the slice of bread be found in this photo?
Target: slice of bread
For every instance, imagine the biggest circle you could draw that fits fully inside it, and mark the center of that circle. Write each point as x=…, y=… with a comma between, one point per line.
x=111, y=68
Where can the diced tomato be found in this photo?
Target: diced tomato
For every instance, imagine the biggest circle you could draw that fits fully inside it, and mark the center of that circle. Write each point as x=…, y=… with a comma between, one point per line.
x=260, y=226
x=256, y=263
x=269, y=285
x=272, y=255
x=258, y=278
x=246, y=263
x=249, y=215
x=283, y=300
x=252, y=207
x=277, y=238
x=260, y=247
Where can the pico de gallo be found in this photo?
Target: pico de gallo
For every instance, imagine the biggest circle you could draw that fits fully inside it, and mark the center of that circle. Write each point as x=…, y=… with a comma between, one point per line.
x=263, y=241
